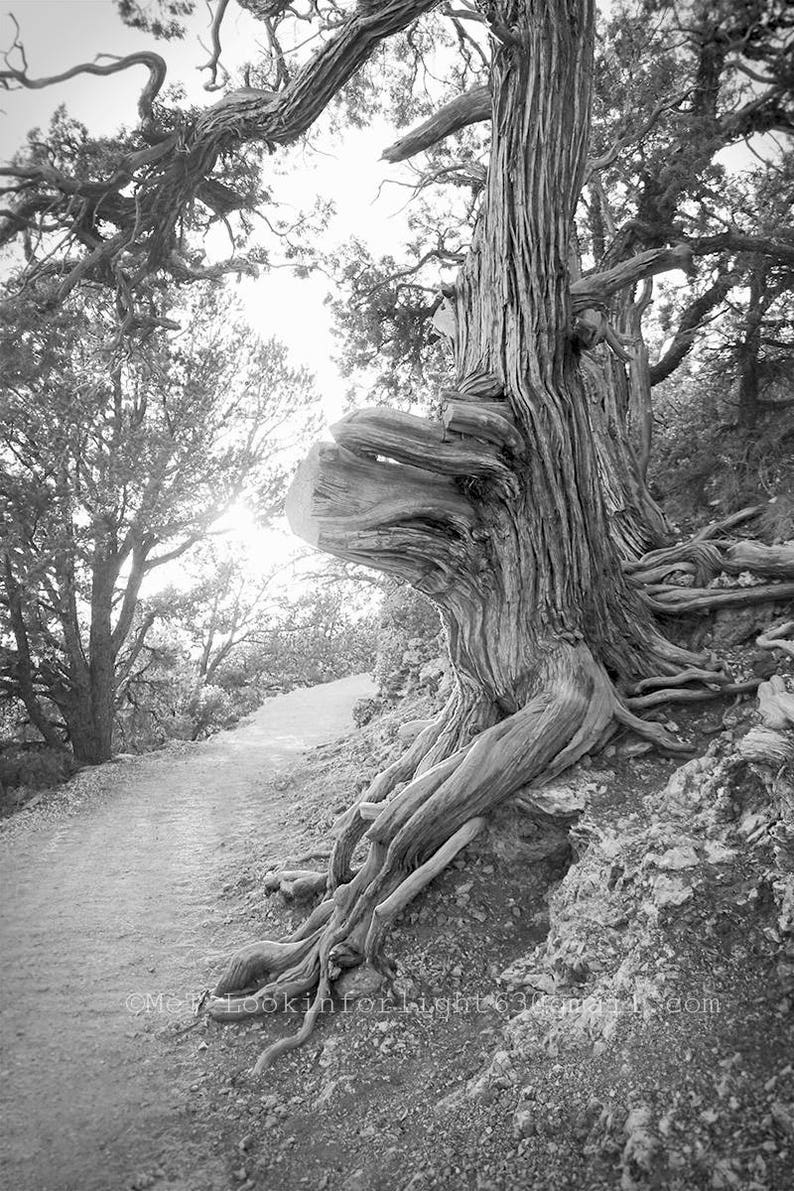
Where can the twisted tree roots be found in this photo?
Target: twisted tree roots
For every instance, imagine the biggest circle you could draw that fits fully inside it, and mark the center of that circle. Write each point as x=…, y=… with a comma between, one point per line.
x=420, y=827
x=418, y=814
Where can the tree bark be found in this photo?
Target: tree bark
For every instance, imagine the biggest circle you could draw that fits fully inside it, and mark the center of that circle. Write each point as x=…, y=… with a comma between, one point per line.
x=498, y=515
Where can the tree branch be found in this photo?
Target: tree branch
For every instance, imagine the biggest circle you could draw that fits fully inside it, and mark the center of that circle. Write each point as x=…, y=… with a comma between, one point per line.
x=688, y=328
x=469, y=108
x=166, y=187
x=595, y=289
x=736, y=241
x=153, y=62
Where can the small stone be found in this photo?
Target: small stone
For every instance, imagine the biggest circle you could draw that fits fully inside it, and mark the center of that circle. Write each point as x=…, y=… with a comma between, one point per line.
x=670, y=891
x=681, y=857
x=523, y=1122
x=717, y=853
x=363, y=981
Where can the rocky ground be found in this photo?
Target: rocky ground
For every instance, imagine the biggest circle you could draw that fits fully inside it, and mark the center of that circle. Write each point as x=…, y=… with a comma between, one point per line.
x=604, y=1008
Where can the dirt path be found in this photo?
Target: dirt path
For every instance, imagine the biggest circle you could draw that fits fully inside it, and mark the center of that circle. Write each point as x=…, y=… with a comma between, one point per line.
x=116, y=903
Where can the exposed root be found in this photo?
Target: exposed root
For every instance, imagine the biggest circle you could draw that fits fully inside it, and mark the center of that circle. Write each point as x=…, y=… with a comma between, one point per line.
x=269, y=1056
x=384, y=913
x=668, y=600
x=427, y=806
x=704, y=557
x=693, y=674
x=774, y=638
x=296, y=883
x=249, y=966
x=684, y=695
x=648, y=730
x=353, y=824
x=701, y=559
x=315, y=854
x=418, y=831
x=434, y=743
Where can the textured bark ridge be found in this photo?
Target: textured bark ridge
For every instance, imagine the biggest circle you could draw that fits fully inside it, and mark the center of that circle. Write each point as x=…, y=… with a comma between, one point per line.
x=522, y=517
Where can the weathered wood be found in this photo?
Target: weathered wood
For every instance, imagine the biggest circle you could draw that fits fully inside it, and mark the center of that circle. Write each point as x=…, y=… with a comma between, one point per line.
x=775, y=562
x=482, y=422
x=597, y=288
x=776, y=704
x=678, y=601
x=777, y=638
x=766, y=746
x=406, y=438
x=403, y=520
x=469, y=108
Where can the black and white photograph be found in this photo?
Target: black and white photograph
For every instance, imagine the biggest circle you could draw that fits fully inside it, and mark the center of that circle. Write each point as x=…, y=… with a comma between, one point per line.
x=397, y=595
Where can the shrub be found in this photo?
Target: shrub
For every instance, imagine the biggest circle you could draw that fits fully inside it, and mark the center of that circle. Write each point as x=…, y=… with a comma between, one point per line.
x=411, y=645
x=704, y=465
x=36, y=765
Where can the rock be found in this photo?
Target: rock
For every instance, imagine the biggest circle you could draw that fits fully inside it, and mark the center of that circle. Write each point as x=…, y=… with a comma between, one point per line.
x=782, y=1117
x=670, y=891
x=717, y=853
x=523, y=1122
x=732, y=626
x=363, y=981
x=641, y=1145
x=674, y=859
x=553, y=800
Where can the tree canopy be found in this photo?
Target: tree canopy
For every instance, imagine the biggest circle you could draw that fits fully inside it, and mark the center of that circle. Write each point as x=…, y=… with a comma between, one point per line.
x=114, y=462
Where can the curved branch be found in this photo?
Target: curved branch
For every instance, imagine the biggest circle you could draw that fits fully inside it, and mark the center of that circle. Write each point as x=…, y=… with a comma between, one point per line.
x=688, y=328
x=597, y=288
x=153, y=62
x=186, y=161
x=213, y=64
x=606, y=159
x=736, y=241
x=469, y=108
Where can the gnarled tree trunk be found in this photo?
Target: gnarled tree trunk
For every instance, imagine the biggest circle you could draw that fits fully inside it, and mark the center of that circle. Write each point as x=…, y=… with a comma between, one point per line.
x=499, y=515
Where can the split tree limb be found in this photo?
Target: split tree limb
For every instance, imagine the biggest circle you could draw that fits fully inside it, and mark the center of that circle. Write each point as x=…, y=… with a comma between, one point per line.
x=482, y=422
x=396, y=517
x=414, y=440
x=597, y=288
x=470, y=108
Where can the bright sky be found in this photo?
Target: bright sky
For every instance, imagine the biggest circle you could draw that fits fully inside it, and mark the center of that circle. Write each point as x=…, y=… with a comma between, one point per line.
x=58, y=34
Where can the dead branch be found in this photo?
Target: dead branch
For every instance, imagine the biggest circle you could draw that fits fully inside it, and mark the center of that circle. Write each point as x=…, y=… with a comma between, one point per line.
x=153, y=62
x=595, y=289
x=470, y=108
x=778, y=638
x=213, y=64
